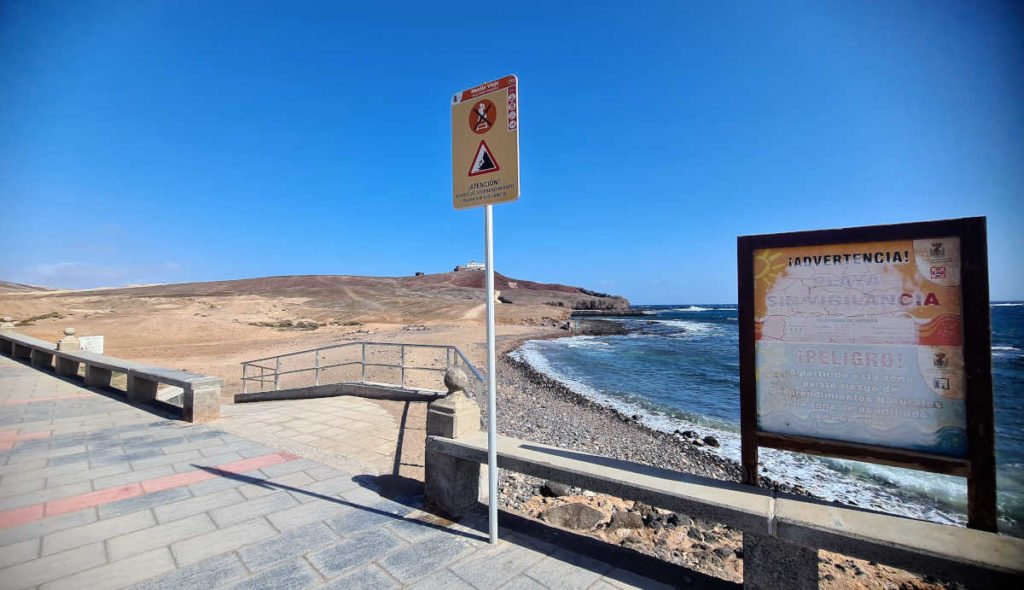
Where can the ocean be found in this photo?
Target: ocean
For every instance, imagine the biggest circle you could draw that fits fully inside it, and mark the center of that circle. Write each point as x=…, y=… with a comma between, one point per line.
x=678, y=368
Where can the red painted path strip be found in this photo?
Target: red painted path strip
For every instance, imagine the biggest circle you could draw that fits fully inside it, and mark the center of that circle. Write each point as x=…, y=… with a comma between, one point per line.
x=12, y=435
x=19, y=516
x=9, y=437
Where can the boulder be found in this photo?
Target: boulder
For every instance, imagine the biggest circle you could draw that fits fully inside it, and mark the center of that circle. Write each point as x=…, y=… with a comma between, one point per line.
x=577, y=516
x=624, y=519
x=711, y=441
x=553, y=489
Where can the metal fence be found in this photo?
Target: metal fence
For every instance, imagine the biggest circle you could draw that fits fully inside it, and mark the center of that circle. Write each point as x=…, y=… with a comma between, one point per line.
x=408, y=366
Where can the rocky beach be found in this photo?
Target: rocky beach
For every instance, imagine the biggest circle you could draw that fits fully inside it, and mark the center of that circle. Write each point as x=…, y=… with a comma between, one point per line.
x=535, y=407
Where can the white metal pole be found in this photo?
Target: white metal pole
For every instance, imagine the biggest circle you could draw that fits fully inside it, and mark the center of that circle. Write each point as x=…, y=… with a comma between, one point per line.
x=492, y=419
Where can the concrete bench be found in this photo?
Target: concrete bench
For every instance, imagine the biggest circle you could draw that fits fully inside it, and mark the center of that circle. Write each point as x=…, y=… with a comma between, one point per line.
x=201, y=394
x=782, y=533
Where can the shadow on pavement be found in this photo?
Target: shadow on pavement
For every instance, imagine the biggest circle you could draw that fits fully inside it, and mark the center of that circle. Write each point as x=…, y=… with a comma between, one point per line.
x=406, y=494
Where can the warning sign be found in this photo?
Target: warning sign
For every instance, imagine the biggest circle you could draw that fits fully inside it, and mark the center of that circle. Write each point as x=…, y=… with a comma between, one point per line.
x=481, y=118
x=484, y=161
x=485, y=144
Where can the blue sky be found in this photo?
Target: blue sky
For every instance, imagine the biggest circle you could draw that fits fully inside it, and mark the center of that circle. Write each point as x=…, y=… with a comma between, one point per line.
x=177, y=141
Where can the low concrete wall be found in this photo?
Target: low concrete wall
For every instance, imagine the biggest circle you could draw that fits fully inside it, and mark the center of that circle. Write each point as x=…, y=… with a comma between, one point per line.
x=201, y=397
x=783, y=532
x=356, y=389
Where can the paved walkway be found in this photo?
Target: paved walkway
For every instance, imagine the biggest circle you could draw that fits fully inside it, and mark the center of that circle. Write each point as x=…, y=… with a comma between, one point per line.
x=95, y=493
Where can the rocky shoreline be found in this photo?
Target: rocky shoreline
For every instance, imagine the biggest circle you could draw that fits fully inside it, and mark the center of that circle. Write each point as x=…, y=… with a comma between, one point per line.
x=535, y=407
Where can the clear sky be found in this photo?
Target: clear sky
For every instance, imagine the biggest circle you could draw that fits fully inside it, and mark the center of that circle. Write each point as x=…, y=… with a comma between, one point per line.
x=147, y=141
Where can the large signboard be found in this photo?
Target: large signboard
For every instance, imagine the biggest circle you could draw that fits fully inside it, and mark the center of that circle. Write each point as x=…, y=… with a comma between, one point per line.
x=862, y=343
x=485, y=144
x=868, y=343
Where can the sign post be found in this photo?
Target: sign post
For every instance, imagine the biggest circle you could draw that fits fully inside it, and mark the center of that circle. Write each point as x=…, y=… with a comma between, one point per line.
x=485, y=171
x=871, y=344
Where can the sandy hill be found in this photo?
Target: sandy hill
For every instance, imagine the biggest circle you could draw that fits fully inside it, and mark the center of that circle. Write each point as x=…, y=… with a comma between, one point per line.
x=9, y=287
x=210, y=327
x=335, y=298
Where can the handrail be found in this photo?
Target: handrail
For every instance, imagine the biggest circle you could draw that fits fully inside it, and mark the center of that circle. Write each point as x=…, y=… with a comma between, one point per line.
x=263, y=374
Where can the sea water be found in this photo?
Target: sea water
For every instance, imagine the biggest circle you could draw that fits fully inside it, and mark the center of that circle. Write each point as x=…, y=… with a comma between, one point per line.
x=678, y=368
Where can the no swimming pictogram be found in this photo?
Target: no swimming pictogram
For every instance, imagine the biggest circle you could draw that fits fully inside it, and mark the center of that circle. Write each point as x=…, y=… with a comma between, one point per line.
x=482, y=117
x=484, y=161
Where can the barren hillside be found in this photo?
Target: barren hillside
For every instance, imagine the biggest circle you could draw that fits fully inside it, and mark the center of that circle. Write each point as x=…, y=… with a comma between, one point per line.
x=211, y=327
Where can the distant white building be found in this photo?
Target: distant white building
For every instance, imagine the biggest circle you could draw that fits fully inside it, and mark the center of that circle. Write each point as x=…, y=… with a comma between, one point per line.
x=471, y=265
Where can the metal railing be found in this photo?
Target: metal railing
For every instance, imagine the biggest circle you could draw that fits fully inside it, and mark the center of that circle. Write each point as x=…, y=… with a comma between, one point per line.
x=268, y=372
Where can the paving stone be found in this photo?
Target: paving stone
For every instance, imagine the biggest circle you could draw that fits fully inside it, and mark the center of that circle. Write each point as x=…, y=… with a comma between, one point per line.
x=203, y=435
x=23, y=466
x=226, y=456
x=133, y=477
x=361, y=519
x=497, y=564
x=19, y=552
x=45, y=495
x=323, y=472
x=327, y=489
x=295, y=575
x=252, y=508
x=188, y=446
x=128, y=456
x=222, y=541
x=88, y=474
x=567, y=570
x=190, y=506
x=627, y=580
x=293, y=543
x=251, y=450
x=47, y=525
x=16, y=487
x=65, y=455
x=408, y=564
x=217, y=484
x=274, y=471
x=307, y=513
x=158, y=536
x=143, y=502
x=209, y=573
x=165, y=459
x=353, y=551
x=418, y=527
x=119, y=573
x=96, y=531
x=54, y=471
x=371, y=577
x=524, y=582
x=38, y=571
x=444, y=579
x=290, y=482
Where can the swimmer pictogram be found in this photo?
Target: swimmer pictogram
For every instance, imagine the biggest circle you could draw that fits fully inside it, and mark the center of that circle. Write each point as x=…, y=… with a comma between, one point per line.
x=482, y=116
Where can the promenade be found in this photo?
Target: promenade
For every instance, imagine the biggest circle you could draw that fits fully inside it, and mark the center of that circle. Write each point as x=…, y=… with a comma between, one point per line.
x=96, y=493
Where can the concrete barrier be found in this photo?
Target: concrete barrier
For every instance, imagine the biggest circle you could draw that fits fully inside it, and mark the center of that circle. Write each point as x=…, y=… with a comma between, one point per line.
x=355, y=389
x=781, y=533
x=200, y=400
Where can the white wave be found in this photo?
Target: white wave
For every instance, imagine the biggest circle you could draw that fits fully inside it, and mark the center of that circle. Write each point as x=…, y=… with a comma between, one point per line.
x=1005, y=348
x=694, y=308
x=691, y=327
x=586, y=342
x=870, y=486
x=1005, y=304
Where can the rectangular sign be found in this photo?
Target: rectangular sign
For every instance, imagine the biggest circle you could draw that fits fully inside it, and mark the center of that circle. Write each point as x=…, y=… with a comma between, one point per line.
x=91, y=344
x=871, y=344
x=485, y=144
x=862, y=343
